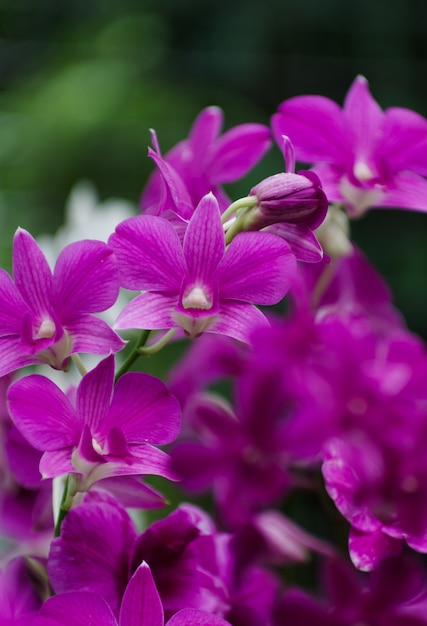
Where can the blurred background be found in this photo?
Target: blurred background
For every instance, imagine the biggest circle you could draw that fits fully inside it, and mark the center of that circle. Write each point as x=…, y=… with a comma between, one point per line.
x=81, y=83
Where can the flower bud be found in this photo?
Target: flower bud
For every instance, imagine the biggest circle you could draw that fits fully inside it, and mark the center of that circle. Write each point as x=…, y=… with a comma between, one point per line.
x=288, y=197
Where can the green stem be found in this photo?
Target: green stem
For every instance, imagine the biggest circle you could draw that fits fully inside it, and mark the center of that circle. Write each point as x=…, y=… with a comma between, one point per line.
x=156, y=347
x=133, y=355
x=79, y=364
x=242, y=203
x=66, y=502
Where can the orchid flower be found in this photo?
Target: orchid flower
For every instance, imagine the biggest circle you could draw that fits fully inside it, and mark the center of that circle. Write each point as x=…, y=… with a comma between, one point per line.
x=364, y=157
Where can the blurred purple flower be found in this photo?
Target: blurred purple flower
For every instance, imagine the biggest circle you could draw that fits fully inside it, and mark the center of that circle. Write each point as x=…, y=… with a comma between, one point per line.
x=394, y=595
x=365, y=157
x=204, y=161
x=141, y=606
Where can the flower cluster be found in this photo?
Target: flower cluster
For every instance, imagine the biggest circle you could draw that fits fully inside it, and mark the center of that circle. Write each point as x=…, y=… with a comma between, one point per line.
x=296, y=435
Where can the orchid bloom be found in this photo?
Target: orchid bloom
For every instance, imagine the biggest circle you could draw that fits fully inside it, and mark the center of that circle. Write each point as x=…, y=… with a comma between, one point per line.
x=45, y=317
x=106, y=434
x=364, y=157
x=141, y=606
x=205, y=160
x=199, y=285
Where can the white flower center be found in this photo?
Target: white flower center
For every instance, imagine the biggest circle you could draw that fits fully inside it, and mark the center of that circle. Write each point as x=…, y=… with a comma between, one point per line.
x=46, y=329
x=197, y=298
x=363, y=172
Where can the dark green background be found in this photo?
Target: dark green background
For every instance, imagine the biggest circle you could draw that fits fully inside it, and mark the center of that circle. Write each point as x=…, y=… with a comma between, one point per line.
x=82, y=81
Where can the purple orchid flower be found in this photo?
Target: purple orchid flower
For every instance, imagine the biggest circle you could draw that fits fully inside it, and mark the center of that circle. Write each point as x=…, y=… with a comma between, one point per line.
x=205, y=160
x=141, y=606
x=45, y=317
x=19, y=601
x=394, y=595
x=107, y=434
x=365, y=157
x=199, y=285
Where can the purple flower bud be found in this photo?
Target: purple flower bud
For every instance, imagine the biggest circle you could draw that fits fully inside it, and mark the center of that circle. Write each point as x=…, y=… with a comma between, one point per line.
x=288, y=197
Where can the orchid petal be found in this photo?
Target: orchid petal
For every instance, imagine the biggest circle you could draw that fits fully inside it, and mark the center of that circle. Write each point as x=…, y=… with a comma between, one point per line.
x=204, y=242
x=144, y=410
x=257, y=267
x=237, y=151
x=85, y=279
x=149, y=310
x=11, y=358
x=301, y=239
x=92, y=335
x=367, y=550
x=365, y=116
x=12, y=306
x=404, y=140
x=316, y=127
x=56, y=463
x=68, y=609
x=149, y=253
x=204, y=131
x=94, y=394
x=238, y=320
x=194, y=617
x=131, y=492
x=145, y=460
x=175, y=194
x=31, y=272
x=93, y=551
x=141, y=605
x=43, y=414
x=409, y=191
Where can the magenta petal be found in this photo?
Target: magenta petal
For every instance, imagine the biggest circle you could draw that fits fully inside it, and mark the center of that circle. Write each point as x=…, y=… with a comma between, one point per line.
x=68, y=609
x=141, y=603
x=93, y=551
x=149, y=253
x=92, y=335
x=193, y=617
x=237, y=151
x=238, y=320
x=301, y=240
x=316, y=127
x=409, y=191
x=85, y=279
x=257, y=267
x=149, y=310
x=144, y=410
x=204, y=242
x=146, y=460
x=405, y=140
x=11, y=358
x=31, y=272
x=365, y=117
x=12, y=306
x=43, y=414
x=94, y=394
x=56, y=463
x=131, y=492
x=367, y=550
x=175, y=196
x=205, y=130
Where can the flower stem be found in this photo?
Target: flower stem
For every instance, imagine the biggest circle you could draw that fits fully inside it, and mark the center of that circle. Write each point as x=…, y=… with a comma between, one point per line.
x=241, y=203
x=79, y=364
x=66, y=501
x=156, y=347
x=134, y=354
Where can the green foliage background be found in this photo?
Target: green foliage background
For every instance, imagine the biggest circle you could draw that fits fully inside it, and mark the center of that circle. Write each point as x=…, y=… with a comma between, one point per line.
x=82, y=81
